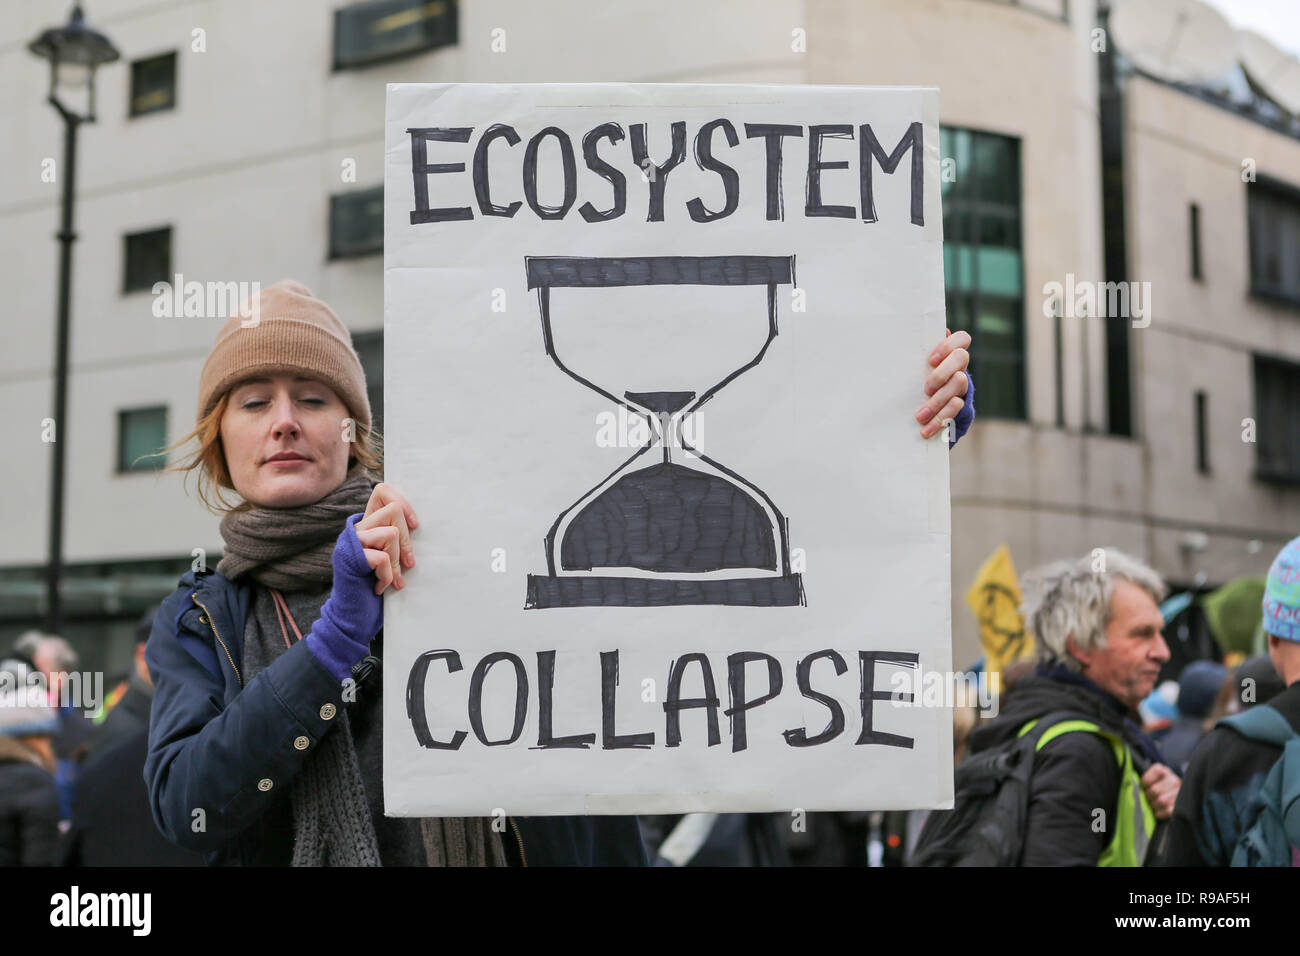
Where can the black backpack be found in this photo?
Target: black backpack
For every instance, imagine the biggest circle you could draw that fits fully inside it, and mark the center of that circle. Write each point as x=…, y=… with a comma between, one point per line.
x=986, y=826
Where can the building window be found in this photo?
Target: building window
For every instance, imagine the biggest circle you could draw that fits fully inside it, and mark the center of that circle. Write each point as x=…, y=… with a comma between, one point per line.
x=1277, y=420
x=141, y=436
x=370, y=349
x=1202, y=434
x=357, y=223
x=1274, y=212
x=1194, y=225
x=376, y=30
x=983, y=270
x=153, y=84
x=148, y=258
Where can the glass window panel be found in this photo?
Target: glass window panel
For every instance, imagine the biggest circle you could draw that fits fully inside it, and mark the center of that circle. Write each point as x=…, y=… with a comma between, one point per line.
x=383, y=29
x=1287, y=263
x=357, y=223
x=999, y=230
x=998, y=271
x=983, y=268
x=990, y=323
x=153, y=84
x=959, y=311
x=955, y=222
x=142, y=432
x=999, y=386
x=1277, y=396
x=1274, y=213
x=148, y=259
x=996, y=177
x=997, y=325
x=958, y=265
x=961, y=225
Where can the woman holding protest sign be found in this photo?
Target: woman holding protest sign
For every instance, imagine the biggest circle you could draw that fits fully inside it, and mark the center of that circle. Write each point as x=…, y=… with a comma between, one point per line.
x=265, y=742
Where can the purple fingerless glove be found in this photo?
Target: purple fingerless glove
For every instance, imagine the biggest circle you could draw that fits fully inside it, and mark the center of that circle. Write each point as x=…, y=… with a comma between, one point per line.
x=961, y=424
x=353, y=614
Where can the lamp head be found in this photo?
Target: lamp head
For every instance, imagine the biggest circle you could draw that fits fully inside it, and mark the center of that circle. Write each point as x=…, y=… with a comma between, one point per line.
x=75, y=51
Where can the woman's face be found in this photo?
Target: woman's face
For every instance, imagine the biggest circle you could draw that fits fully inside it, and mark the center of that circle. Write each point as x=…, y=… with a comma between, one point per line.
x=284, y=440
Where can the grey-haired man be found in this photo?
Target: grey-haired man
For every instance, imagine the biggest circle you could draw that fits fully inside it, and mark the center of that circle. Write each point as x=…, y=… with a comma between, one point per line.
x=1099, y=785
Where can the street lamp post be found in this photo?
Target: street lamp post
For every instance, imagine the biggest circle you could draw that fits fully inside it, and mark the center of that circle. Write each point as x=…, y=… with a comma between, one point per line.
x=74, y=51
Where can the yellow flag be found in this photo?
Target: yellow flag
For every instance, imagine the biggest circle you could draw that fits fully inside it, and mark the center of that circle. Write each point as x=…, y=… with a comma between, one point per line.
x=994, y=597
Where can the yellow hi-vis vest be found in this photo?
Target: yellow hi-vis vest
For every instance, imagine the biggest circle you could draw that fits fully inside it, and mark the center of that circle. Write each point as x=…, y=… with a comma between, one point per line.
x=1136, y=821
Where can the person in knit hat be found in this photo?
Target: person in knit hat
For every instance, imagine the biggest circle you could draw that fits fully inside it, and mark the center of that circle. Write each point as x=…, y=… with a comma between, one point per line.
x=1227, y=769
x=1198, y=689
x=266, y=732
x=29, y=803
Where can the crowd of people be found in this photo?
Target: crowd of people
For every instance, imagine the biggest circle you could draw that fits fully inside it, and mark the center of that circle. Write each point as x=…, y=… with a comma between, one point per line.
x=1176, y=761
x=1113, y=772
x=248, y=729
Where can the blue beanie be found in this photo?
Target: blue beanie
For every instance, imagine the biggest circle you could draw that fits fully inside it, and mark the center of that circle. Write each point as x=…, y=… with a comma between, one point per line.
x=1198, y=687
x=1282, y=594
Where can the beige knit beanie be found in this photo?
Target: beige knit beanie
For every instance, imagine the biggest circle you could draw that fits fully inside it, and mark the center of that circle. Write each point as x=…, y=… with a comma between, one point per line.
x=293, y=332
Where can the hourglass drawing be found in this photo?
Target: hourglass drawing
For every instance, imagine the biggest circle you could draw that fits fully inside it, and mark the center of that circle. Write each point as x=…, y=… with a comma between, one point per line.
x=658, y=530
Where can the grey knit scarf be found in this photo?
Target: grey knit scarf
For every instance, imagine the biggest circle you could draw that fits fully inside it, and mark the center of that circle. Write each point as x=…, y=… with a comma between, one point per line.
x=290, y=548
x=331, y=818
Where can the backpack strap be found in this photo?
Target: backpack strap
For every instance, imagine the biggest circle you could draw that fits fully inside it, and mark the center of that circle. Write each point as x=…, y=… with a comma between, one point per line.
x=1136, y=820
x=1050, y=726
x=1262, y=723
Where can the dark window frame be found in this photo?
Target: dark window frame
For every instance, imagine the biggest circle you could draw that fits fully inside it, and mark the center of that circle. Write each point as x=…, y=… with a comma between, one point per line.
x=1194, y=227
x=359, y=196
x=1201, y=415
x=137, y=284
x=1286, y=388
x=132, y=77
x=1287, y=194
x=964, y=218
x=447, y=35
x=151, y=462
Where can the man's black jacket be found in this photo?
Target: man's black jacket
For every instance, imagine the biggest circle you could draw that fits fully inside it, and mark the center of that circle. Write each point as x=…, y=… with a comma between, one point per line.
x=1075, y=774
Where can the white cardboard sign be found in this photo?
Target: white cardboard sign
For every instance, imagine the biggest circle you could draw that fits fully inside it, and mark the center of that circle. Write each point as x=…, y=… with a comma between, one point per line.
x=652, y=354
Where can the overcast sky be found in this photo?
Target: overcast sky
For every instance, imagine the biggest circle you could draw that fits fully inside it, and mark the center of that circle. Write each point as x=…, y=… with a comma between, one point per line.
x=1279, y=20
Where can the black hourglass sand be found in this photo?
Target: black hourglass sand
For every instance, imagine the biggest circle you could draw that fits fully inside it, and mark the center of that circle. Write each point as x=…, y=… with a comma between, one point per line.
x=699, y=533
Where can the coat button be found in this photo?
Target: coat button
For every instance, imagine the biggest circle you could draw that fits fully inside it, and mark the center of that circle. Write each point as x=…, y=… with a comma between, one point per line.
x=203, y=619
x=328, y=711
x=264, y=784
x=301, y=743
